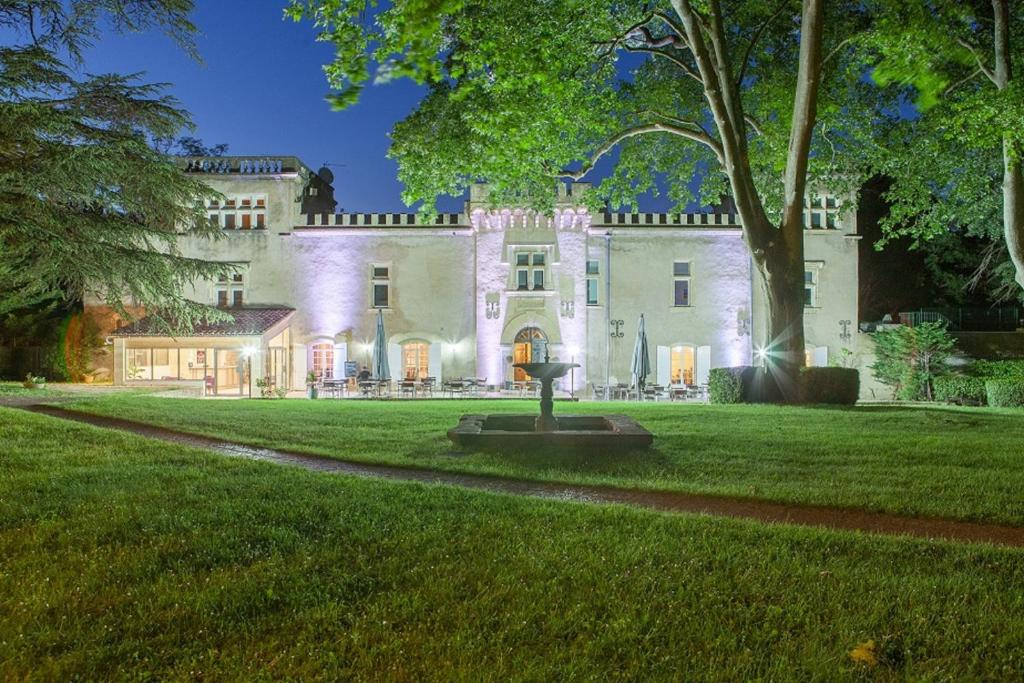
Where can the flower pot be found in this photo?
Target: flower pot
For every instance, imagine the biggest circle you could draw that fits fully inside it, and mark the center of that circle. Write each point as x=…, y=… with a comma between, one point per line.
x=313, y=392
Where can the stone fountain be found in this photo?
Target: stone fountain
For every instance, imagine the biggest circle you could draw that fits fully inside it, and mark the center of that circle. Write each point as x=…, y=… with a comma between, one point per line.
x=566, y=432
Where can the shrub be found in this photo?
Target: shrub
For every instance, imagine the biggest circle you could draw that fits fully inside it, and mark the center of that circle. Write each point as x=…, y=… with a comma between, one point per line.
x=840, y=386
x=961, y=390
x=910, y=358
x=725, y=385
x=1005, y=393
x=998, y=369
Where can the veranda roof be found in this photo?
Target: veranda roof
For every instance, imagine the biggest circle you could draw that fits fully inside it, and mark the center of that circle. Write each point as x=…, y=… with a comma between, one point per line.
x=248, y=321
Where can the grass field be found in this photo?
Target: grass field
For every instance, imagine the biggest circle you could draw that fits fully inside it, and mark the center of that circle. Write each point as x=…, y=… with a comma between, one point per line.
x=958, y=463
x=127, y=558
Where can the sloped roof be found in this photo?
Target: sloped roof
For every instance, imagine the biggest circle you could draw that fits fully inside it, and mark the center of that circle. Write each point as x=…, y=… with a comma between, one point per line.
x=248, y=321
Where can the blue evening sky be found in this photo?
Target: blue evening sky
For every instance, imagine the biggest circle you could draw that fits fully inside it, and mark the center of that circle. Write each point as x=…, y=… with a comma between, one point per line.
x=261, y=90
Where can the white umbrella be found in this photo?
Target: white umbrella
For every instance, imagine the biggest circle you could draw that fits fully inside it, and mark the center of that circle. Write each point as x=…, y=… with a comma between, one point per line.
x=641, y=365
x=380, y=351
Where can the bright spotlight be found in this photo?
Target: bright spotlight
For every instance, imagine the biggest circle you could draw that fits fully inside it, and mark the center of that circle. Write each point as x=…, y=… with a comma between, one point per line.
x=761, y=352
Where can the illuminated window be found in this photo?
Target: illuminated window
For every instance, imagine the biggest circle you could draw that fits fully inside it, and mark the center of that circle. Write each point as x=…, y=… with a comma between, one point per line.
x=323, y=360
x=682, y=358
x=681, y=283
x=415, y=359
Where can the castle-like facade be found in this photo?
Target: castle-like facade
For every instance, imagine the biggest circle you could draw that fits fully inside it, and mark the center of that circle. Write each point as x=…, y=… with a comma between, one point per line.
x=468, y=294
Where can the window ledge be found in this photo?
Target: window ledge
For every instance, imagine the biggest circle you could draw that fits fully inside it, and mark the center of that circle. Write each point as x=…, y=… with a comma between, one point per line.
x=530, y=292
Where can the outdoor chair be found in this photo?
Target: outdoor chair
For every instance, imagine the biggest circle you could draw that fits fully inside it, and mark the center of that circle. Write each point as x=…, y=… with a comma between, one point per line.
x=407, y=388
x=427, y=386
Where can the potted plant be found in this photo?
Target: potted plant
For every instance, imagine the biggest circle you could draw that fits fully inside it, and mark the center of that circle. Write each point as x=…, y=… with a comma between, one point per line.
x=34, y=382
x=311, y=384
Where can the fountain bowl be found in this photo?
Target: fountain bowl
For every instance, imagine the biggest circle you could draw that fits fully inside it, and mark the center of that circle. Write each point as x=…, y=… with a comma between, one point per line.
x=592, y=433
x=546, y=370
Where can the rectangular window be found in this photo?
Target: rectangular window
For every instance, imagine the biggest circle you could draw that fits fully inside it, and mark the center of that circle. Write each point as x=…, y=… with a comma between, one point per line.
x=246, y=221
x=538, y=259
x=380, y=286
x=222, y=298
x=261, y=221
x=236, y=298
x=161, y=357
x=681, y=283
x=810, y=289
x=261, y=203
x=538, y=278
x=530, y=271
x=214, y=220
x=380, y=295
x=247, y=202
x=229, y=221
x=682, y=293
x=593, y=270
x=522, y=259
x=522, y=279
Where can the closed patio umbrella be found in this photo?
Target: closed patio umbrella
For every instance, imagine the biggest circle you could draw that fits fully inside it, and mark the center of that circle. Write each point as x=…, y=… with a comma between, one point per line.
x=641, y=365
x=380, y=367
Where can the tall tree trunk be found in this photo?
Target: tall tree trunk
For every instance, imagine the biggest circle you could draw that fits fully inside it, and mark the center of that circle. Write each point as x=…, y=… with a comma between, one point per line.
x=1013, y=176
x=777, y=251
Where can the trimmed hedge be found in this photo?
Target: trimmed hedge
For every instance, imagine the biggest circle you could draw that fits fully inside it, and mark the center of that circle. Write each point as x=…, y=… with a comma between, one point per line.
x=836, y=386
x=1005, y=393
x=725, y=385
x=998, y=369
x=960, y=390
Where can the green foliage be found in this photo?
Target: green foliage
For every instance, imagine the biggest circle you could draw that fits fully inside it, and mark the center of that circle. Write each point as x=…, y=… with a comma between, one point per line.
x=524, y=92
x=89, y=206
x=725, y=385
x=947, y=163
x=961, y=390
x=833, y=385
x=998, y=369
x=1005, y=393
x=910, y=358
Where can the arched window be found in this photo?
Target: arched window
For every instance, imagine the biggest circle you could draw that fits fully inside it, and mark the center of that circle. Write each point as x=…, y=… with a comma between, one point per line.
x=530, y=343
x=322, y=362
x=683, y=365
x=415, y=359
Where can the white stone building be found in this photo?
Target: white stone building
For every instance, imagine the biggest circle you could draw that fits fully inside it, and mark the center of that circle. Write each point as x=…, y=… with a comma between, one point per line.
x=471, y=293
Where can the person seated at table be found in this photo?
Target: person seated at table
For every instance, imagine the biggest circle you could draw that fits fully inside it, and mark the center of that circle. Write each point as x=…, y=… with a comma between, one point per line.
x=364, y=375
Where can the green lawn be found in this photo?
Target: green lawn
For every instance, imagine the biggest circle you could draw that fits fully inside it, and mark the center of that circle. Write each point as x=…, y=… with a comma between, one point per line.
x=958, y=463
x=17, y=390
x=134, y=559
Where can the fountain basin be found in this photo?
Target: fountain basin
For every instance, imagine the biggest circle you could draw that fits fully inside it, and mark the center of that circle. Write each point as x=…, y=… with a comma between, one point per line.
x=606, y=433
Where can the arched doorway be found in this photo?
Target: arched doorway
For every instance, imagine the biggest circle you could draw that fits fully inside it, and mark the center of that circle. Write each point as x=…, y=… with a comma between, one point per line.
x=528, y=347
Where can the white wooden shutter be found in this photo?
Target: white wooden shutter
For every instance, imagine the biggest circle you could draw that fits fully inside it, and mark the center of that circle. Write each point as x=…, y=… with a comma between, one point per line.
x=703, y=364
x=395, y=362
x=820, y=356
x=663, y=370
x=434, y=361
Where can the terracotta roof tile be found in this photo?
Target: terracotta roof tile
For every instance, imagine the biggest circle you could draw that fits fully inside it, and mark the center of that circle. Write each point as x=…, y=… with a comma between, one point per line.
x=247, y=322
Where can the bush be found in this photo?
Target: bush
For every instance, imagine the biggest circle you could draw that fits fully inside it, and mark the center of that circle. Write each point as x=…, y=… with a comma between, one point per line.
x=998, y=369
x=1005, y=393
x=725, y=385
x=910, y=358
x=960, y=390
x=838, y=386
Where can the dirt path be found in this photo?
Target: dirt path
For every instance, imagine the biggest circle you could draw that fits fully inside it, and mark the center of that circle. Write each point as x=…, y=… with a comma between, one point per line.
x=763, y=511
